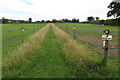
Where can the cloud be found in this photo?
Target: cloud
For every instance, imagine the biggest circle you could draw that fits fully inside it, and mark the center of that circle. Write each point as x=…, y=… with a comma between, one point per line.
x=27, y=2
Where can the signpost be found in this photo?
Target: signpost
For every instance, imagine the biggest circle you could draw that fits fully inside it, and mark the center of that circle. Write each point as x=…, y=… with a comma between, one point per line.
x=105, y=39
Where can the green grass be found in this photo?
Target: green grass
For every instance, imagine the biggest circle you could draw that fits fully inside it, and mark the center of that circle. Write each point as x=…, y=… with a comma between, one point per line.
x=46, y=63
x=50, y=61
x=7, y=48
x=0, y=52
x=89, y=26
x=94, y=68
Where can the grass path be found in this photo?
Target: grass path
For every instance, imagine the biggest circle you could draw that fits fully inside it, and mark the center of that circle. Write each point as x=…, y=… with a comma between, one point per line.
x=50, y=62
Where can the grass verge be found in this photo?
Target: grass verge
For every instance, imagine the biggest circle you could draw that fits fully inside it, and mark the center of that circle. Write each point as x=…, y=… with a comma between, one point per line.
x=15, y=62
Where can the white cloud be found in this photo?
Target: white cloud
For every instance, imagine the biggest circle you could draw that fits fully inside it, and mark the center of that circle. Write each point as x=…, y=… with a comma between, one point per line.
x=50, y=9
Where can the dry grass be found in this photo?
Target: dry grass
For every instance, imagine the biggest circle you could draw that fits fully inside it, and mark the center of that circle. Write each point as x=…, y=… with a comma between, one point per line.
x=26, y=50
x=74, y=52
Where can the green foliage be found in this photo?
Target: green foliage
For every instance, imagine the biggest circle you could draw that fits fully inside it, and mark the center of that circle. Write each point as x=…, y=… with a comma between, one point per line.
x=4, y=20
x=42, y=21
x=115, y=9
x=75, y=20
x=111, y=22
x=97, y=18
x=54, y=20
x=90, y=18
x=30, y=20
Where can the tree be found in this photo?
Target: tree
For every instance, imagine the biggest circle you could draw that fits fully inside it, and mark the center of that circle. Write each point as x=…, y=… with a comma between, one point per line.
x=4, y=20
x=54, y=21
x=42, y=21
x=66, y=20
x=30, y=20
x=90, y=18
x=75, y=20
x=115, y=9
x=48, y=21
x=97, y=18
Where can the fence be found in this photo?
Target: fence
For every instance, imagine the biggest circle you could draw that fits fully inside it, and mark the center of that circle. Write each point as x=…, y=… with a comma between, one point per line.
x=21, y=36
x=105, y=47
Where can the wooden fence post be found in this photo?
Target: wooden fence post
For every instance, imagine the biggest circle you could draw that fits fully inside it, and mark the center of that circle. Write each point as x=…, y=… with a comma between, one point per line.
x=22, y=34
x=38, y=27
x=61, y=26
x=67, y=28
x=74, y=31
x=105, y=45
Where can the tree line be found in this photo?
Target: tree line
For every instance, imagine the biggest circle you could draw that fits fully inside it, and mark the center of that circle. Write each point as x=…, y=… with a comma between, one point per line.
x=4, y=20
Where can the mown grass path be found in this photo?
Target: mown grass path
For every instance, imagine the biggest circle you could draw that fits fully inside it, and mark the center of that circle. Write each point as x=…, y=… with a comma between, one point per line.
x=50, y=63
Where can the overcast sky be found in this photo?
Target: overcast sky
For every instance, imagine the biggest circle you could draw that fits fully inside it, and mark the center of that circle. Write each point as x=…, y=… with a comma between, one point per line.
x=53, y=9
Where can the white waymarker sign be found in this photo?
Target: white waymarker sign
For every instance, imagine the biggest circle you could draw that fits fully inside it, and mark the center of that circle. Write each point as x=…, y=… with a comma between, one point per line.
x=104, y=43
x=22, y=29
x=106, y=37
x=74, y=28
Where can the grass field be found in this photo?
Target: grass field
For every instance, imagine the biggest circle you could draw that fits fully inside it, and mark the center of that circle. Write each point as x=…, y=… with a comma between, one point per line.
x=7, y=36
x=49, y=52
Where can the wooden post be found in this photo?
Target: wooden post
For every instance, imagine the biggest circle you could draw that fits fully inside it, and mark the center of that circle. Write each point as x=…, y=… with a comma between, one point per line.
x=105, y=44
x=33, y=29
x=74, y=31
x=67, y=28
x=38, y=27
x=105, y=53
x=22, y=34
x=61, y=26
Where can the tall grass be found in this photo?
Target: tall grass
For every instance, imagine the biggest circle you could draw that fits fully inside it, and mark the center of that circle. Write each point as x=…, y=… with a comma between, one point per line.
x=85, y=62
x=74, y=53
x=24, y=53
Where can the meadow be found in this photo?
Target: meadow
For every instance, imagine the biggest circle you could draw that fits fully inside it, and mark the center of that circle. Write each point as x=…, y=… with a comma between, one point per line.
x=51, y=52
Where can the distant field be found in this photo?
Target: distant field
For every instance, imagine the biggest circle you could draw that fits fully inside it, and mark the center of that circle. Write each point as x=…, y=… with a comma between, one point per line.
x=9, y=35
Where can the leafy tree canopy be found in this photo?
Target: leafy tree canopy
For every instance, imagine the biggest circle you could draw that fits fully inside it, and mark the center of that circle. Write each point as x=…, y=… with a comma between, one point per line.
x=115, y=9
